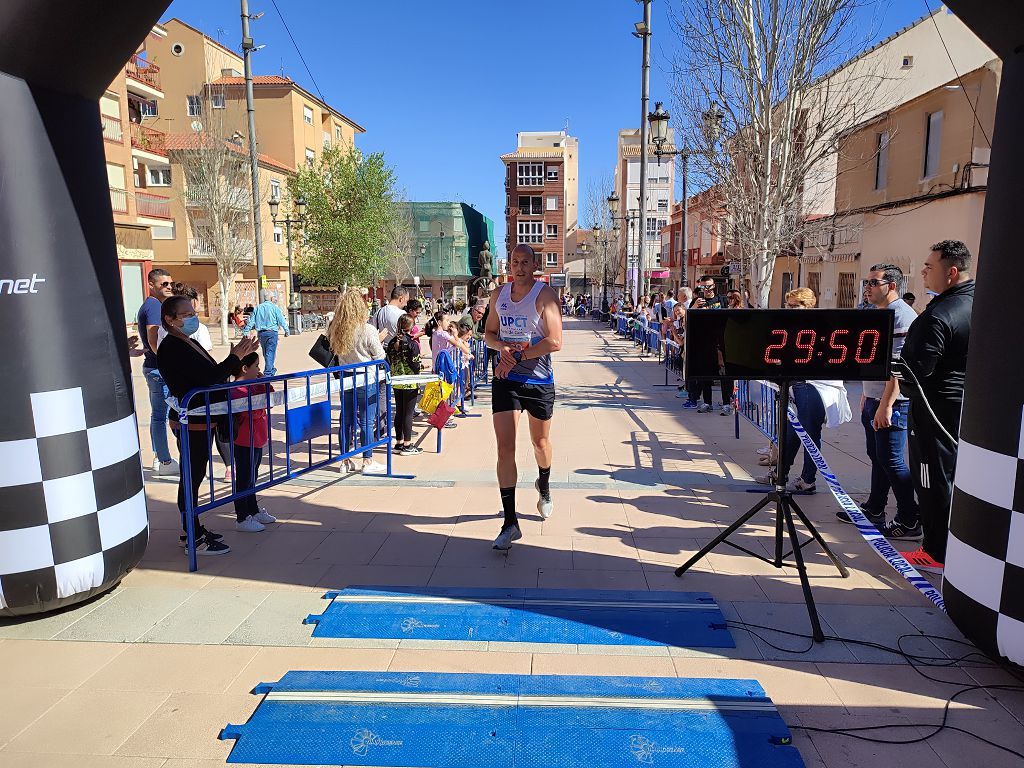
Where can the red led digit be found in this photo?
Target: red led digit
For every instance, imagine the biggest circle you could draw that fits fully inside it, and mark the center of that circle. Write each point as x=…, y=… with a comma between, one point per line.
x=838, y=347
x=869, y=357
x=806, y=346
x=773, y=347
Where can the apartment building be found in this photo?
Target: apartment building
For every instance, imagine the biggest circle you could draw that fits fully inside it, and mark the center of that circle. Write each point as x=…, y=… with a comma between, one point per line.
x=137, y=163
x=908, y=178
x=642, y=234
x=703, y=249
x=542, y=196
x=201, y=91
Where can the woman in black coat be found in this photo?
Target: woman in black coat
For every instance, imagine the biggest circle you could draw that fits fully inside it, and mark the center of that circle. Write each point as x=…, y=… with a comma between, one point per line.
x=185, y=366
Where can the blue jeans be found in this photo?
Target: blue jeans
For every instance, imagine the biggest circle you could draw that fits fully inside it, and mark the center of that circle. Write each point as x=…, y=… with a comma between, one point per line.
x=268, y=341
x=158, y=418
x=889, y=469
x=362, y=415
x=811, y=412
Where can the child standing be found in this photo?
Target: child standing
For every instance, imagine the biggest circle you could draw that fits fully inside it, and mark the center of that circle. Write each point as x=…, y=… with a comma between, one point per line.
x=251, y=435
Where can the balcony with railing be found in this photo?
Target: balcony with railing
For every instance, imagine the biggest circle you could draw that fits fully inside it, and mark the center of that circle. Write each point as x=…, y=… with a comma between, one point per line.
x=112, y=130
x=153, y=206
x=118, y=200
x=148, y=139
x=143, y=71
x=202, y=249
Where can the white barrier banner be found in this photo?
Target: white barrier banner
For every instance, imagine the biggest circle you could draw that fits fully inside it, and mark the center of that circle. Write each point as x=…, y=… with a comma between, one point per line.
x=875, y=540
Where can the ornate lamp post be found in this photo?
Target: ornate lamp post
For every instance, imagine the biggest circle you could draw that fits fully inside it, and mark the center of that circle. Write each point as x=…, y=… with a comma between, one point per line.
x=294, y=301
x=630, y=219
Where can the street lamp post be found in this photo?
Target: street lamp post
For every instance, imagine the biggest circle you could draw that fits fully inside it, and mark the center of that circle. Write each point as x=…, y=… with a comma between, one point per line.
x=630, y=218
x=423, y=252
x=294, y=301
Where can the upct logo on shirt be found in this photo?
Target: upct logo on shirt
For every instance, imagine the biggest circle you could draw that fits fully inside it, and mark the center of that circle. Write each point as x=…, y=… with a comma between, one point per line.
x=515, y=322
x=20, y=285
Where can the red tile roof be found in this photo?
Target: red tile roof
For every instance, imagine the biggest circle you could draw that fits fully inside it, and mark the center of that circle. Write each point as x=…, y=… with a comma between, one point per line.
x=256, y=80
x=183, y=141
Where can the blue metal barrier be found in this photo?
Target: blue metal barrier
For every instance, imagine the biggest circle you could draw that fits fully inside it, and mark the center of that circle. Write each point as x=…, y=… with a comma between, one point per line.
x=347, y=399
x=622, y=327
x=757, y=402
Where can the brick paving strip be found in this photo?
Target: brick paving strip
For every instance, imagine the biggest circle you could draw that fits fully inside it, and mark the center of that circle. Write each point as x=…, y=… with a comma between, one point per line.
x=147, y=674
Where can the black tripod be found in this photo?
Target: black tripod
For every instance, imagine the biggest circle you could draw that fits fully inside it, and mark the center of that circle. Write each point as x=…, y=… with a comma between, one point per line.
x=785, y=507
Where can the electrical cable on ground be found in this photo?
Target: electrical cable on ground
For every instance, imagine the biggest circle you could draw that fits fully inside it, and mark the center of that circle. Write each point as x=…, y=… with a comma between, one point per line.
x=301, y=57
x=914, y=660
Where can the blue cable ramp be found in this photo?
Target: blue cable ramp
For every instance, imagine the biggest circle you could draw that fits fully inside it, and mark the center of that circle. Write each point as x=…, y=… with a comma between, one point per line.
x=584, y=617
x=432, y=720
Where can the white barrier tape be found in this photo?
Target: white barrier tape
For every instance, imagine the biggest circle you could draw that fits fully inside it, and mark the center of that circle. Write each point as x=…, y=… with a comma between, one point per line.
x=875, y=540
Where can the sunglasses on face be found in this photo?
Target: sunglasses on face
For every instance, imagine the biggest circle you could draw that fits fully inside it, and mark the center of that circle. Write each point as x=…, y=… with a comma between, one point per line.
x=875, y=282
x=164, y=285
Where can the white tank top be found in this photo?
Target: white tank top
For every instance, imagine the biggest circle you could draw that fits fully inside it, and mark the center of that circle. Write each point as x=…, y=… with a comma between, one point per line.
x=520, y=321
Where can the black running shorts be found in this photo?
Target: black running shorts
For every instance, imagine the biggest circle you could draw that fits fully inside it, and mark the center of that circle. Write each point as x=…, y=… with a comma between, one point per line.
x=538, y=400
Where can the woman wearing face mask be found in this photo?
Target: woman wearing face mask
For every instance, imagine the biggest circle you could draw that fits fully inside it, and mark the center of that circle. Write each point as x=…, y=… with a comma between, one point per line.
x=187, y=366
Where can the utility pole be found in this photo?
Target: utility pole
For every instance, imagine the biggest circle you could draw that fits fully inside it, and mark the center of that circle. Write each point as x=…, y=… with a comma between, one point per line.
x=254, y=166
x=644, y=33
x=686, y=220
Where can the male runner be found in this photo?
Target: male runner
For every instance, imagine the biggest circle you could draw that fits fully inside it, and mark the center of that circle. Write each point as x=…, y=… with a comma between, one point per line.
x=524, y=325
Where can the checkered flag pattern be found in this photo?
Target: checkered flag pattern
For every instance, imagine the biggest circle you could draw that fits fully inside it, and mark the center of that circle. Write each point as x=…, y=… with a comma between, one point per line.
x=984, y=574
x=72, y=505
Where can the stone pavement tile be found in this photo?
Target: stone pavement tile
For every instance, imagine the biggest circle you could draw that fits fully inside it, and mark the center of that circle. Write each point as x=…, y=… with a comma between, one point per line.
x=260, y=572
x=481, y=662
x=881, y=624
x=171, y=668
x=410, y=549
x=670, y=552
x=895, y=687
x=835, y=751
x=88, y=722
x=464, y=553
x=589, y=664
x=278, y=620
x=793, y=686
x=828, y=589
x=207, y=617
x=186, y=725
x=413, y=522
x=127, y=616
x=548, y=552
x=722, y=586
x=173, y=574
x=936, y=626
x=46, y=664
x=610, y=553
x=341, y=576
x=277, y=545
x=498, y=575
x=790, y=618
x=304, y=514
x=592, y=579
x=20, y=706
x=268, y=665
x=347, y=548
x=190, y=762
x=36, y=760
x=1011, y=700
x=47, y=626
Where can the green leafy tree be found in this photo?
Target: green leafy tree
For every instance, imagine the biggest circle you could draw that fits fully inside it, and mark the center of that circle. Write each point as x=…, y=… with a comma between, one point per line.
x=349, y=213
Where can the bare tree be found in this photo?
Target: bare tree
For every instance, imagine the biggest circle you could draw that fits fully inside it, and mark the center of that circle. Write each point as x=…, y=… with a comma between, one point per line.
x=218, y=200
x=604, y=258
x=398, y=258
x=763, y=98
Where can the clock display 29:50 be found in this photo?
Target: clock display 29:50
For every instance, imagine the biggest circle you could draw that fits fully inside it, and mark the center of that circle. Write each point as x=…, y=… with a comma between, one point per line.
x=839, y=348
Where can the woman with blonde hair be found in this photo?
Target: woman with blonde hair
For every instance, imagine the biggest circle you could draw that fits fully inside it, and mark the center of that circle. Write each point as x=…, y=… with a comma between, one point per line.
x=354, y=340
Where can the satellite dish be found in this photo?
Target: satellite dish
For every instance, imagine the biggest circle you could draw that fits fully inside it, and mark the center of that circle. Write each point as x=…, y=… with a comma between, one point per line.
x=197, y=126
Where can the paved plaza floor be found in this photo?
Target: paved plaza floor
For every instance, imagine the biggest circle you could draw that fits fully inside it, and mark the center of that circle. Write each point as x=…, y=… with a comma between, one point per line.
x=146, y=675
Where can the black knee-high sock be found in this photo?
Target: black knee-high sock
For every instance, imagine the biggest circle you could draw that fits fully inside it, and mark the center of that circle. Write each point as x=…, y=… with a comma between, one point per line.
x=508, y=505
x=542, y=481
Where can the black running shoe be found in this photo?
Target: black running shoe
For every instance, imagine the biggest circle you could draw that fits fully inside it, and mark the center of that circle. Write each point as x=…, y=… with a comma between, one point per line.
x=876, y=520
x=897, y=530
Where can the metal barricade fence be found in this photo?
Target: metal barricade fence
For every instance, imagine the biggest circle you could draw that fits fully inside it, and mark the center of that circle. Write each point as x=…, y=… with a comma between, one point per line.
x=330, y=413
x=758, y=403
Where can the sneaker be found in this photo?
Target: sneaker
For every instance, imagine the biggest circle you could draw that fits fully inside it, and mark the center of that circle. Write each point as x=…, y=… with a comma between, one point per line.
x=725, y=411
x=897, y=530
x=450, y=424
x=704, y=408
x=167, y=469
x=508, y=534
x=683, y=393
x=923, y=561
x=875, y=519
x=800, y=487
x=265, y=517
x=411, y=450
x=373, y=468
x=200, y=534
x=689, y=405
x=768, y=479
x=249, y=525
x=544, y=504
x=764, y=450
x=210, y=546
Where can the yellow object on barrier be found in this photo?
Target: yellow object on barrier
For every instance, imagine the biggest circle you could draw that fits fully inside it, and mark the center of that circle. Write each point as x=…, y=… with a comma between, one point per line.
x=433, y=394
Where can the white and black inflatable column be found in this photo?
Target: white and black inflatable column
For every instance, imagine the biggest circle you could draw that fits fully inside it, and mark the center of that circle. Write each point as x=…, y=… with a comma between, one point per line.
x=72, y=507
x=984, y=579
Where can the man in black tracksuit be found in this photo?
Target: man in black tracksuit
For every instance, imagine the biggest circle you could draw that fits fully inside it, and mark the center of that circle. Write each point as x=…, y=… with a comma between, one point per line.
x=936, y=353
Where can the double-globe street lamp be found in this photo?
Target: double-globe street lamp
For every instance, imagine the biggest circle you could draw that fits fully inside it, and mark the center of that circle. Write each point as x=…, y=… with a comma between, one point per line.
x=712, y=125
x=294, y=301
x=631, y=217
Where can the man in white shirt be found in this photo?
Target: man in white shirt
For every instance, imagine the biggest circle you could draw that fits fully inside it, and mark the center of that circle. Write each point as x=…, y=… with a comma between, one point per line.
x=386, y=319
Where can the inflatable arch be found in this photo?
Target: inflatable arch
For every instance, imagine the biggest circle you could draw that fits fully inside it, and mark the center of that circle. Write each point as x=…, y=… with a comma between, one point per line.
x=72, y=510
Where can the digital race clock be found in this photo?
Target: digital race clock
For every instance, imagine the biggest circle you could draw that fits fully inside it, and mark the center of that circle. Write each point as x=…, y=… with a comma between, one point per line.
x=789, y=344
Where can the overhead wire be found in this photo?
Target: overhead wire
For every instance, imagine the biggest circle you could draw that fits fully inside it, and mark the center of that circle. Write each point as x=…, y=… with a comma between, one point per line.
x=298, y=51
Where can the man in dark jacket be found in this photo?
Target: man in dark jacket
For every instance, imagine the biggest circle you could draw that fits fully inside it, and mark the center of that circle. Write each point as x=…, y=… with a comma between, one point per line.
x=936, y=354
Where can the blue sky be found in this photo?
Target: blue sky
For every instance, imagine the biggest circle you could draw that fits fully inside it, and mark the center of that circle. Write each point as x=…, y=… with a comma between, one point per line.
x=442, y=87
